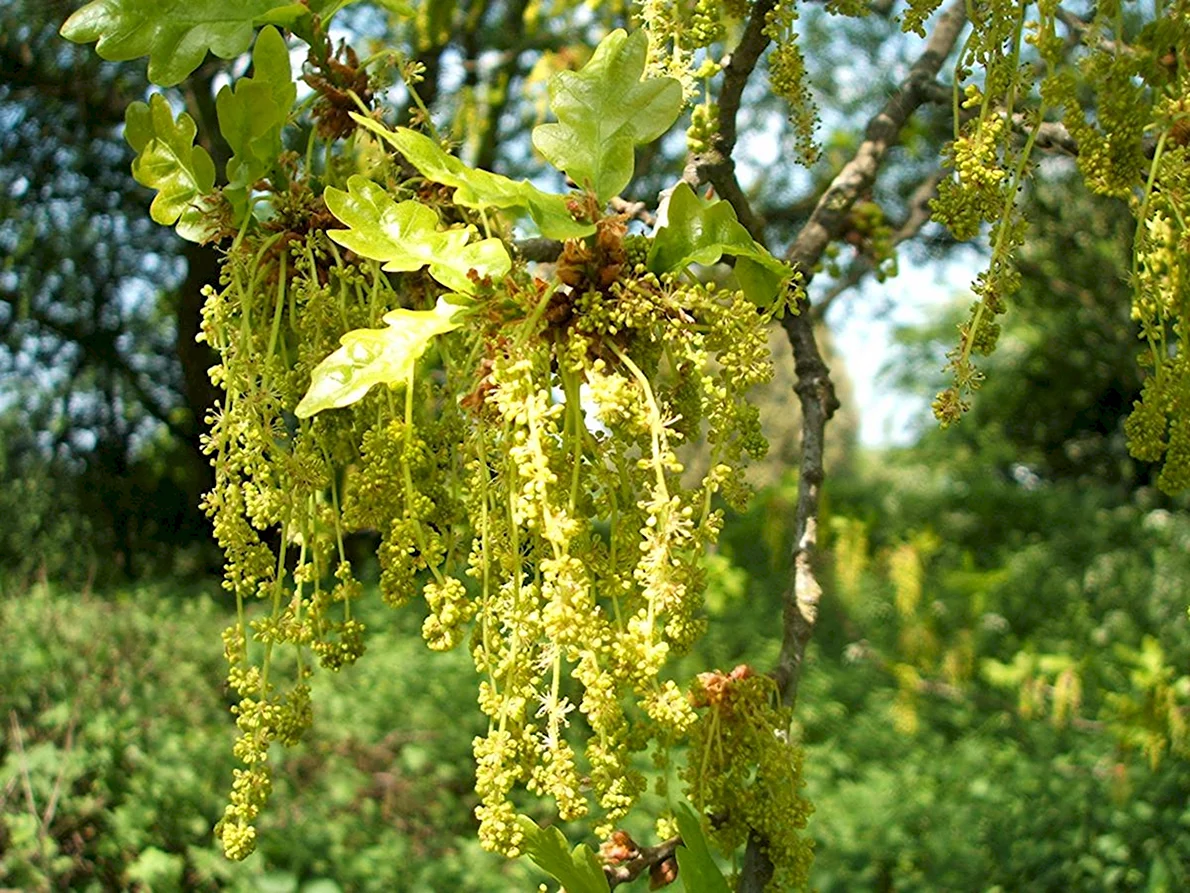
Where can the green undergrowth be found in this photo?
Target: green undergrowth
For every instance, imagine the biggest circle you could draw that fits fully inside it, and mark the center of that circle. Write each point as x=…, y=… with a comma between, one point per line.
x=117, y=747
x=938, y=754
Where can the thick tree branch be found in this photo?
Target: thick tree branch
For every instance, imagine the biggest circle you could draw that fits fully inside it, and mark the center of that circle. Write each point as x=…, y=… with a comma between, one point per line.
x=858, y=175
x=814, y=388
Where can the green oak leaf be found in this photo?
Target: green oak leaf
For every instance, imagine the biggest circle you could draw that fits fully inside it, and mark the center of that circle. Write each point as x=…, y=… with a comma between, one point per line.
x=405, y=236
x=369, y=357
x=299, y=17
x=167, y=160
x=698, y=232
x=578, y=870
x=478, y=188
x=604, y=111
x=696, y=866
x=252, y=114
x=174, y=34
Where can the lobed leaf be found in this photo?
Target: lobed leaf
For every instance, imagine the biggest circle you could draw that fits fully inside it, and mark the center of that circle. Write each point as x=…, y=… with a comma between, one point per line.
x=369, y=357
x=252, y=114
x=604, y=110
x=698, y=232
x=167, y=160
x=405, y=237
x=175, y=34
x=696, y=865
x=478, y=188
x=577, y=870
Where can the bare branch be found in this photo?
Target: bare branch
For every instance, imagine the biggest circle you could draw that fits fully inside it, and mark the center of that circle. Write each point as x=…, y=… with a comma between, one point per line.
x=814, y=387
x=716, y=166
x=634, y=210
x=1052, y=136
x=858, y=175
x=1082, y=31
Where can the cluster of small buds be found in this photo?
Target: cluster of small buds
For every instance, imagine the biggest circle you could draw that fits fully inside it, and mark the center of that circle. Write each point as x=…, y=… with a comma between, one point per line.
x=704, y=124
x=914, y=18
x=529, y=410
x=976, y=195
x=283, y=719
x=636, y=251
x=1110, y=152
x=556, y=479
x=250, y=789
x=636, y=305
x=706, y=23
x=615, y=399
x=274, y=476
x=498, y=767
x=671, y=709
x=671, y=40
x=569, y=615
x=340, y=645
x=555, y=776
x=450, y=609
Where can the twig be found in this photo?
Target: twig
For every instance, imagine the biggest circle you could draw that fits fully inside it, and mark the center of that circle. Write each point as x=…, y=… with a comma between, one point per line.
x=858, y=175
x=1082, y=30
x=538, y=250
x=18, y=739
x=916, y=218
x=1052, y=136
x=51, y=808
x=634, y=211
x=716, y=166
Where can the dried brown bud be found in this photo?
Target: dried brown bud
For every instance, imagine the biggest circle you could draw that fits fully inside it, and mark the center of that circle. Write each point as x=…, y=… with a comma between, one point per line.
x=663, y=874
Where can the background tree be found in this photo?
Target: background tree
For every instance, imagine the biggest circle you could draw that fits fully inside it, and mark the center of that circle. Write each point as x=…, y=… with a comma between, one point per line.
x=105, y=391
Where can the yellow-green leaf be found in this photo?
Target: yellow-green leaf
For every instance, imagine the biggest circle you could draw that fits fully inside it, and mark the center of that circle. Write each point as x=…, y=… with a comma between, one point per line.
x=369, y=357
x=698, y=232
x=405, y=237
x=252, y=114
x=696, y=865
x=478, y=188
x=578, y=870
x=174, y=34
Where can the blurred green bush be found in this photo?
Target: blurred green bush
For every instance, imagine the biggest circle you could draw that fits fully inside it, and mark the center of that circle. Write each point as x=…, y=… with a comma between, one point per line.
x=117, y=755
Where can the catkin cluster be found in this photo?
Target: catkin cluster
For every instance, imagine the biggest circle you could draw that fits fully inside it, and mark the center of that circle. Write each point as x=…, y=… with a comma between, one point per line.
x=525, y=487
